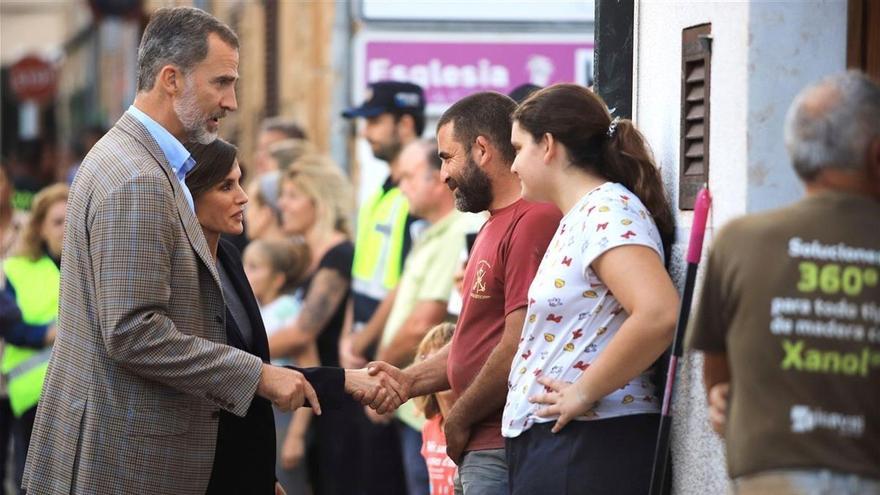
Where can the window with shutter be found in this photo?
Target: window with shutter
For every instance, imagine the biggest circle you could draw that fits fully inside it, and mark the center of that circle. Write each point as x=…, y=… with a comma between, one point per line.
x=863, y=37
x=696, y=51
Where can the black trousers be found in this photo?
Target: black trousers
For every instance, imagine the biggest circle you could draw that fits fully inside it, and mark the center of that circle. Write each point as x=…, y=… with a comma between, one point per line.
x=609, y=456
x=22, y=428
x=381, y=459
x=343, y=464
x=5, y=437
x=244, y=458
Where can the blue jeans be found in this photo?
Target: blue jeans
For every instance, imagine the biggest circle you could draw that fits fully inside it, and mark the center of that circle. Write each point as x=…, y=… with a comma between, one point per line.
x=482, y=472
x=805, y=482
x=414, y=467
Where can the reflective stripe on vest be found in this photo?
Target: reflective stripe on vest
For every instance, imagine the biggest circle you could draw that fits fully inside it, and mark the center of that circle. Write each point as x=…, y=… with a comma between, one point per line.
x=41, y=358
x=379, y=246
x=37, y=285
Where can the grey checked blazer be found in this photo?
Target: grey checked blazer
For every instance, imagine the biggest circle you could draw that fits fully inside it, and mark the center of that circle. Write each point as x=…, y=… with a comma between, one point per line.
x=140, y=367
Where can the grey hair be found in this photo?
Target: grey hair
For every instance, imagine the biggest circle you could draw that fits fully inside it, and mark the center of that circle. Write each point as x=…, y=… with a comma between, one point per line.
x=177, y=36
x=429, y=146
x=834, y=133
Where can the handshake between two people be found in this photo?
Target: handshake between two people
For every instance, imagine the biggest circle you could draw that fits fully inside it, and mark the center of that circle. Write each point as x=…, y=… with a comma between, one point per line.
x=380, y=386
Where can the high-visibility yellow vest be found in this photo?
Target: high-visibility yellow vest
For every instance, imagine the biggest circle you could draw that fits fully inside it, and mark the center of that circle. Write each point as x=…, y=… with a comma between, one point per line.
x=37, y=285
x=379, y=245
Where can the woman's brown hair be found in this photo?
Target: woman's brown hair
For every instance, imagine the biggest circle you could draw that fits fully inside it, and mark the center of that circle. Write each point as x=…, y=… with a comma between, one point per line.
x=436, y=338
x=32, y=237
x=579, y=119
x=213, y=163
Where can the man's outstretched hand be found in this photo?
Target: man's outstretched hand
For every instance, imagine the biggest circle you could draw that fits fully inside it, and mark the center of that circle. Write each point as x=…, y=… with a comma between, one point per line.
x=380, y=386
x=379, y=391
x=288, y=389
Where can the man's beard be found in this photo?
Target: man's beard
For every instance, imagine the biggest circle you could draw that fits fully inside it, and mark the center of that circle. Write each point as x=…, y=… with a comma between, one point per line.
x=195, y=122
x=473, y=192
x=389, y=151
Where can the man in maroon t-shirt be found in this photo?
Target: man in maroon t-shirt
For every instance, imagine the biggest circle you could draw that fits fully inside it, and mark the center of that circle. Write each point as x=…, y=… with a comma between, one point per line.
x=473, y=140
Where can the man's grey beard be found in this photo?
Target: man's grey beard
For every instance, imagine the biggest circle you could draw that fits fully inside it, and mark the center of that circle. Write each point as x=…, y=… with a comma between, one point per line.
x=194, y=121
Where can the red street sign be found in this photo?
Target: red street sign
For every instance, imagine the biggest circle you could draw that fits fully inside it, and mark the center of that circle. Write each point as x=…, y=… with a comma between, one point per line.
x=32, y=78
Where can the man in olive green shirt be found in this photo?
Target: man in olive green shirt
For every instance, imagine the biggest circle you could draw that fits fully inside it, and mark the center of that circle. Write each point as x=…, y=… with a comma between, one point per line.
x=789, y=315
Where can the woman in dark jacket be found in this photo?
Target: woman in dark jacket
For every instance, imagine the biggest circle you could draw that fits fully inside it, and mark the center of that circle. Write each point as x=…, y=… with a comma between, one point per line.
x=244, y=460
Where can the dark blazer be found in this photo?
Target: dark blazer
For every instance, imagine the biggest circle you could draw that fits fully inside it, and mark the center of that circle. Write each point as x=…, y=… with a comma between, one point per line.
x=244, y=461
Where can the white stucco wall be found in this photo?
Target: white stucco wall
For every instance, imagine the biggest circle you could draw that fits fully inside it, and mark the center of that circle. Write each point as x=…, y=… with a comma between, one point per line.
x=698, y=462
x=791, y=44
x=763, y=53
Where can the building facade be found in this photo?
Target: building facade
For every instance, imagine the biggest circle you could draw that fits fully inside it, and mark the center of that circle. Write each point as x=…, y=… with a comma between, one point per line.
x=760, y=54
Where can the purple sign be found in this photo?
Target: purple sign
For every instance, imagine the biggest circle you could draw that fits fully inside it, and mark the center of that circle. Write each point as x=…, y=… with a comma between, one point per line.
x=449, y=71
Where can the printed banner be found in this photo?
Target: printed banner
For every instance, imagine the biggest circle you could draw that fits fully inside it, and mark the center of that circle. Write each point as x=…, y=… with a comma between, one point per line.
x=449, y=66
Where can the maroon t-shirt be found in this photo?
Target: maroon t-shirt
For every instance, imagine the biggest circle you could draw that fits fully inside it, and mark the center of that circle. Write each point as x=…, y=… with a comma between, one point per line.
x=501, y=267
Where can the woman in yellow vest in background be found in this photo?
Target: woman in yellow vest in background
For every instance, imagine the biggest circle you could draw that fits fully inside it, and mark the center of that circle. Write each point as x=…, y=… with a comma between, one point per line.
x=33, y=279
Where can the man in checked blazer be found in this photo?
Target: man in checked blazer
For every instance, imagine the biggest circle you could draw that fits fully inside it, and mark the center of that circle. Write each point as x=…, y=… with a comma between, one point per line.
x=140, y=368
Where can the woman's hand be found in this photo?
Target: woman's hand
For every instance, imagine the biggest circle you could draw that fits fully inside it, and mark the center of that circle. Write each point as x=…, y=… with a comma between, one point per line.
x=293, y=450
x=564, y=399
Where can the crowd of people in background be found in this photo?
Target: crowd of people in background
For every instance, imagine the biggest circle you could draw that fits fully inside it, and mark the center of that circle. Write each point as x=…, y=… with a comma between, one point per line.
x=509, y=277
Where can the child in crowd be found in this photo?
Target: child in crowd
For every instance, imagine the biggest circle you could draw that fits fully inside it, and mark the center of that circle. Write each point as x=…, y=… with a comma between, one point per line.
x=441, y=469
x=275, y=270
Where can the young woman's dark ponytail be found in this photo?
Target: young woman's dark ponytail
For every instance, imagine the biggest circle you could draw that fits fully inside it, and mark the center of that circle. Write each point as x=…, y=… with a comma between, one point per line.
x=627, y=159
x=579, y=119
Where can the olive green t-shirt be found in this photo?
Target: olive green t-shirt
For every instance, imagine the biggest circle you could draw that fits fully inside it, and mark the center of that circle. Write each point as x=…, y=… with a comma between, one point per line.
x=792, y=297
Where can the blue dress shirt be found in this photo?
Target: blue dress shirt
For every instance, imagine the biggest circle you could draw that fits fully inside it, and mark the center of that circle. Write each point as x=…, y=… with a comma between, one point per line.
x=178, y=157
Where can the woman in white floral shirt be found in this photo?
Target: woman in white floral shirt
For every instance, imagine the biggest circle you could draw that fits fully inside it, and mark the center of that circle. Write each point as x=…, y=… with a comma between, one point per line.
x=582, y=411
